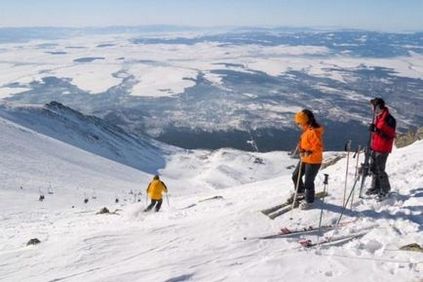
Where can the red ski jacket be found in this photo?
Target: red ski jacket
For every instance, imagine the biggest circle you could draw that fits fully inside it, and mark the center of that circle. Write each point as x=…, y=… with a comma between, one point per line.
x=383, y=139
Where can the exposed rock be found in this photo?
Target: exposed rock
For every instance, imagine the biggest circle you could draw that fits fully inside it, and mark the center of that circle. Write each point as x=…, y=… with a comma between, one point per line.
x=103, y=211
x=414, y=247
x=258, y=161
x=408, y=138
x=33, y=241
x=332, y=160
x=107, y=211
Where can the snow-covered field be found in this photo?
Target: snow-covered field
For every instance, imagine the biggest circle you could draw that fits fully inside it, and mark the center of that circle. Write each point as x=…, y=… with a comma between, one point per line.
x=97, y=63
x=192, y=238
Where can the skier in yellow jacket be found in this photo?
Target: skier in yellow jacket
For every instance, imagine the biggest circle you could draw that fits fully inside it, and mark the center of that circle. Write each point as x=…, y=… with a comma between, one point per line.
x=155, y=190
x=311, y=152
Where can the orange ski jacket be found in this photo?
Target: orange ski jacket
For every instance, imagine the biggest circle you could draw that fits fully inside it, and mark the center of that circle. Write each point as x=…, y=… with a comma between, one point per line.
x=311, y=145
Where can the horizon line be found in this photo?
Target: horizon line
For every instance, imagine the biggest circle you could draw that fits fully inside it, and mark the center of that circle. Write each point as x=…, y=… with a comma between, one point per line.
x=268, y=27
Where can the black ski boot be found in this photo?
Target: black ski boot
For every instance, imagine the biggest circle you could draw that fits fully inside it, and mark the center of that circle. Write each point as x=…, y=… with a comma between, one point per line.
x=300, y=196
x=372, y=191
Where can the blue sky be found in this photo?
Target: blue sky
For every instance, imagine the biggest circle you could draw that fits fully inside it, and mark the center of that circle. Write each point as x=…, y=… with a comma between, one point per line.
x=368, y=14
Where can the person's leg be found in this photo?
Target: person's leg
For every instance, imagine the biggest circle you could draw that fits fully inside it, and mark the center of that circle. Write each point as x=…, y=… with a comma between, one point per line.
x=159, y=204
x=311, y=171
x=295, y=177
x=374, y=189
x=382, y=176
x=300, y=191
x=153, y=202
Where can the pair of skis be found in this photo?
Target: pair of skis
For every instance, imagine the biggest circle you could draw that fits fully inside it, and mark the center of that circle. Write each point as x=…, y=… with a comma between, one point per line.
x=336, y=240
x=311, y=230
x=333, y=240
x=286, y=232
x=280, y=209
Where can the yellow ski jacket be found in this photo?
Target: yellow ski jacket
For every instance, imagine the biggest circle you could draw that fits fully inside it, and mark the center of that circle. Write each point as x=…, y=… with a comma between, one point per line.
x=155, y=189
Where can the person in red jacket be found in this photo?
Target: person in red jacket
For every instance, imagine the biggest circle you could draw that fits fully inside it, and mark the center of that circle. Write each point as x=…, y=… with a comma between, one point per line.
x=382, y=139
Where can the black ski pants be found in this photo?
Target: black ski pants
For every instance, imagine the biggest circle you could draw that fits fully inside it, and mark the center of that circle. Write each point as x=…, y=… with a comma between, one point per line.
x=380, y=180
x=157, y=203
x=310, y=172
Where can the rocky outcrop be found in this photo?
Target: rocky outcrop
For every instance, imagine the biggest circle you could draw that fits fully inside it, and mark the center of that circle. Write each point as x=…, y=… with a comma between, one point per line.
x=33, y=241
x=408, y=138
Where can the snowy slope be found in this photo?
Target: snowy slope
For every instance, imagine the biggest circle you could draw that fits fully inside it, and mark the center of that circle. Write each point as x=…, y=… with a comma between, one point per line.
x=88, y=133
x=35, y=161
x=191, y=238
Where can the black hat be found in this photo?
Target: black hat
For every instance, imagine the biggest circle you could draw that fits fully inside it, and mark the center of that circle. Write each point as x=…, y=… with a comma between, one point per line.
x=378, y=102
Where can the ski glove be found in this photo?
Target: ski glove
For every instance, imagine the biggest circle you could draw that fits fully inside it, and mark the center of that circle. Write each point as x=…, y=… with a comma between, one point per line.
x=373, y=128
x=305, y=153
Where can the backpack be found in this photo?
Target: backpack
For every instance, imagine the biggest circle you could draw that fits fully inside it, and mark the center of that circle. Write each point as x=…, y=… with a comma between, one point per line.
x=391, y=121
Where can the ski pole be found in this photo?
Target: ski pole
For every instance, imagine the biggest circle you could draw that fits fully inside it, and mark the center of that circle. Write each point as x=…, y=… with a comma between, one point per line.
x=365, y=169
x=335, y=230
x=348, y=199
x=360, y=173
x=347, y=148
x=325, y=184
x=293, y=154
x=356, y=154
x=167, y=200
x=367, y=152
x=298, y=183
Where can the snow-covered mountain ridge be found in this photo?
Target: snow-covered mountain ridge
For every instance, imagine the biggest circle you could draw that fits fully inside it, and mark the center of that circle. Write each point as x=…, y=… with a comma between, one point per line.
x=88, y=133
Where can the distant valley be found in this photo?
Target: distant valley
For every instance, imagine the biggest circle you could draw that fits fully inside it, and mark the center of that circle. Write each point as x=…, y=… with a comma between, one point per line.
x=210, y=89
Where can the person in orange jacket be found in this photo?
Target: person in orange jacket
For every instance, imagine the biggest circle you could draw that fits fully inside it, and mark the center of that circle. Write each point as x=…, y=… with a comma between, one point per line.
x=155, y=191
x=310, y=148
